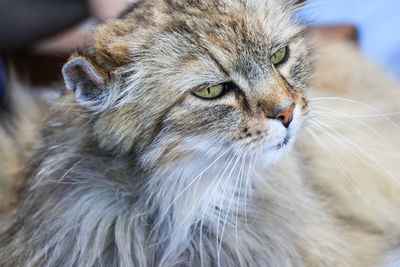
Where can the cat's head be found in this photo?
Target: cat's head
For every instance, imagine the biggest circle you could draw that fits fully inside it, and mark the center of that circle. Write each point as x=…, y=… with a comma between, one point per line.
x=172, y=78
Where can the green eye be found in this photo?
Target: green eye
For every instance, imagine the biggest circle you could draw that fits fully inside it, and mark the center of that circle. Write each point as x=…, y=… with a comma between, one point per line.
x=279, y=56
x=210, y=92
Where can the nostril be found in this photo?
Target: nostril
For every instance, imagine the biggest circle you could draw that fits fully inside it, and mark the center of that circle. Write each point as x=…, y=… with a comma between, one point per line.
x=286, y=115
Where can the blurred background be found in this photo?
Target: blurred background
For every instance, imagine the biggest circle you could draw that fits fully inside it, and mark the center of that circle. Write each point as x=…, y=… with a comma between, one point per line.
x=37, y=36
x=377, y=24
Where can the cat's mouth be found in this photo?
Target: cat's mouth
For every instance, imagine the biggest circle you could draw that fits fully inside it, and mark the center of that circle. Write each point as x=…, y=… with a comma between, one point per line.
x=283, y=143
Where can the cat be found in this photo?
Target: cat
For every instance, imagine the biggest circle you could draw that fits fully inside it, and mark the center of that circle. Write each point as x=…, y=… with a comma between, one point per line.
x=182, y=142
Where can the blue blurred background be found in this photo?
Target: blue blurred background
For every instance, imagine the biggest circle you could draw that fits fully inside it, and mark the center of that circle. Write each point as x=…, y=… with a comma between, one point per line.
x=377, y=21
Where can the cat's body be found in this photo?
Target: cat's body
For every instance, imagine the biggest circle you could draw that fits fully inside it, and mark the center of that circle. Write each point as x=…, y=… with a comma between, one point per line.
x=134, y=170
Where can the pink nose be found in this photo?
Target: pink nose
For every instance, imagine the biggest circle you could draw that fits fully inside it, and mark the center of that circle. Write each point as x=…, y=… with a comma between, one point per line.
x=286, y=116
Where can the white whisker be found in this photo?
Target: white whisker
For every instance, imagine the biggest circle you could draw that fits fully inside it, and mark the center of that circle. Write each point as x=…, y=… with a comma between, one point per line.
x=241, y=171
x=192, y=182
x=227, y=213
x=218, y=179
x=339, y=165
x=359, y=149
x=227, y=183
x=375, y=132
x=358, y=103
x=247, y=189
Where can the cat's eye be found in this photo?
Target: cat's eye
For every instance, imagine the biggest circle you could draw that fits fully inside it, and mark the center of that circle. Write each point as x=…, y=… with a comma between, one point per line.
x=280, y=56
x=210, y=92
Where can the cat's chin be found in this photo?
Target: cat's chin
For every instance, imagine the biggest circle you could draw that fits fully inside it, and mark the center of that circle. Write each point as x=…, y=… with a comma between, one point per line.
x=279, y=142
x=271, y=154
x=283, y=144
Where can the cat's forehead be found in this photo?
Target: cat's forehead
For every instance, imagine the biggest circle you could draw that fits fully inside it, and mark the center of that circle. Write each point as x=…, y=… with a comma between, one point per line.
x=267, y=20
x=231, y=24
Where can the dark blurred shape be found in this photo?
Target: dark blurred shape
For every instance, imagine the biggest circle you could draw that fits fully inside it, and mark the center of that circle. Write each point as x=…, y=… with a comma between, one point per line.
x=36, y=69
x=23, y=22
x=2, y=81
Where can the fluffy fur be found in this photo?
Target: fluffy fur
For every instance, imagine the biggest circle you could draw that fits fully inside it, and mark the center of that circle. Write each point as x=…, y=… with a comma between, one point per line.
x=134, y=170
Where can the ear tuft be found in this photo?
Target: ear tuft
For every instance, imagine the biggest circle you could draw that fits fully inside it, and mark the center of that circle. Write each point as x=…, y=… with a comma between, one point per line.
x=298, y=4
x=84, y=77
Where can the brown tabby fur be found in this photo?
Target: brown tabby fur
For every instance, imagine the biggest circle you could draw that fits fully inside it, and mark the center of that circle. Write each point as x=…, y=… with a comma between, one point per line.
x=110, y=181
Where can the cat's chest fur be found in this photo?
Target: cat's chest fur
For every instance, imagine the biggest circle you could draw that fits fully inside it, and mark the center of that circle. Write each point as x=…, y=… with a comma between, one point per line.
x=212, y=211
x=201, y=211
x=231, y=213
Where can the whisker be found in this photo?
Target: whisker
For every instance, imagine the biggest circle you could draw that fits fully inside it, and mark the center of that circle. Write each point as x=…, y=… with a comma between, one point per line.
x=173, y=230
x=359, y=149
x=358, y=103
x=192, y=182
x=227, y=213
x=340, y=115
x=69, y=170
x=221, y=204
x=218, y=179
x=382, y=141
x=247, y=189
x=385, y=146
x=241, y=171
x=339, y=165
x=376, y=133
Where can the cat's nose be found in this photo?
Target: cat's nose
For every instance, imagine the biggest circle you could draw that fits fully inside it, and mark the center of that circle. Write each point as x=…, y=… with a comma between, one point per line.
x=286, y=115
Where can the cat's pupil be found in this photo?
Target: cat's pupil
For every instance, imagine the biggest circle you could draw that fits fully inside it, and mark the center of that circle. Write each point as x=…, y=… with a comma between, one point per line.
x=228, y=86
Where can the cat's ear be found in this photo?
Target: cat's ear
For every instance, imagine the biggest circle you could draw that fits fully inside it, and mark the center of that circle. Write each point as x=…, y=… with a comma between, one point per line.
x=295, y=5
x=85, y=78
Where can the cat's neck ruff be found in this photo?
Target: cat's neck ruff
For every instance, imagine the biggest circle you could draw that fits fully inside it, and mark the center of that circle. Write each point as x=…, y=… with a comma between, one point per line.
x=200, y=187
x=206, y=198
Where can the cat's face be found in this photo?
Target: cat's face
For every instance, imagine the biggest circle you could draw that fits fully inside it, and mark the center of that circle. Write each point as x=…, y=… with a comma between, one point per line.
x=184, y=77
